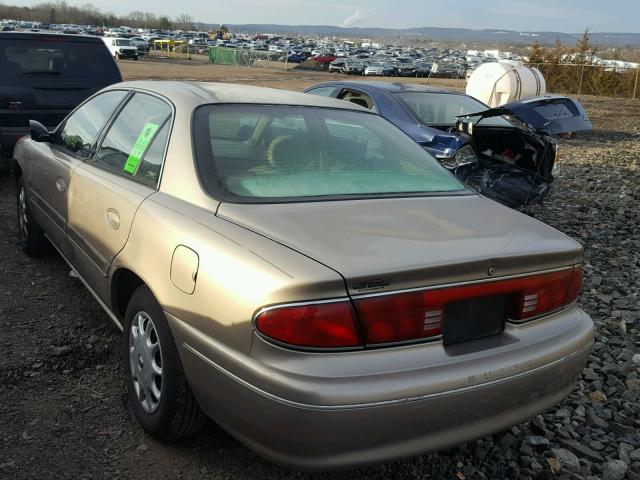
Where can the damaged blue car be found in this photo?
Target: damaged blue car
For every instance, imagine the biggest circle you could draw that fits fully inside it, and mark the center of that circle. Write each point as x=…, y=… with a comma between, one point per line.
x=505, y=153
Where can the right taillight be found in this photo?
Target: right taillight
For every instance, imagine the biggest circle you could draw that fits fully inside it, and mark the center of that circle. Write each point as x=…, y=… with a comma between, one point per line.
x=557, y=153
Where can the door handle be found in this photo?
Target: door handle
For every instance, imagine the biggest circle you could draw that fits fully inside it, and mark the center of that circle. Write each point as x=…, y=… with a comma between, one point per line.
x=61, y=184
x=113, y=218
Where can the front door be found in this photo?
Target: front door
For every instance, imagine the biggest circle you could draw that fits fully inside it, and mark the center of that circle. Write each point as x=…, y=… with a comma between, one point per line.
x=52, y=164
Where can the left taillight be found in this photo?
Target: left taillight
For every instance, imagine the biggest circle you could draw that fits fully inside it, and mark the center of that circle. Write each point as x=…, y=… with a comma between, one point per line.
x=313, y=325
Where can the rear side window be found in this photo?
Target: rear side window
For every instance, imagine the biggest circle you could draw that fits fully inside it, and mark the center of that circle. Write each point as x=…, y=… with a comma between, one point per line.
x=445, y=108
x=55, y=57
x=323, y=91
x=134, y=144
x=80, y=131
x=358, y=98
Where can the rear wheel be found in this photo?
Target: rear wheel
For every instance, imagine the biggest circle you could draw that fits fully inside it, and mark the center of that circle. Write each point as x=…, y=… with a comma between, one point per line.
x=31, y=237
x=162, y=400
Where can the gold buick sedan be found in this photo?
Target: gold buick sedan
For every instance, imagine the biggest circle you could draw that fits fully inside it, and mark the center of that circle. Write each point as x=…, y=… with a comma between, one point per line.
x=299, y=270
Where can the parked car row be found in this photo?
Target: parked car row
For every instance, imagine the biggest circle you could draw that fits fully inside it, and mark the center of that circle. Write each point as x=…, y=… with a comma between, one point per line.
x=389, y=59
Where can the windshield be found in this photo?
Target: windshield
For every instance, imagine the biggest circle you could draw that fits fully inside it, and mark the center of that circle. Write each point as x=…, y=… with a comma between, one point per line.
x=123, y=43
x=255, y=152
x=443, y=108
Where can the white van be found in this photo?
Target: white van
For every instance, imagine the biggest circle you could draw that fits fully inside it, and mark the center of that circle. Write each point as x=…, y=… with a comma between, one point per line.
x=121, y=47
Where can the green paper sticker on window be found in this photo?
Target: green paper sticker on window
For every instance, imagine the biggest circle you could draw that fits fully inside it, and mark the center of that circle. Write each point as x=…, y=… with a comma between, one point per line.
x=138, y=149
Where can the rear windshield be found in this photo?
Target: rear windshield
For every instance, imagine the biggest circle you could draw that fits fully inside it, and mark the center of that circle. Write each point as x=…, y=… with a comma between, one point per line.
x=55, y=57
x=444, y=108
x=281, y=153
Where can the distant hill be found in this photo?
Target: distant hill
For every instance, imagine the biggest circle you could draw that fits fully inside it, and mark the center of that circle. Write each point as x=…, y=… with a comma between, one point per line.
x=443, y=34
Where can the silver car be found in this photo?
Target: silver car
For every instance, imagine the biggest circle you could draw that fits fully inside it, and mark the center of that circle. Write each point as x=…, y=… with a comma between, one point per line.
x=302, y=272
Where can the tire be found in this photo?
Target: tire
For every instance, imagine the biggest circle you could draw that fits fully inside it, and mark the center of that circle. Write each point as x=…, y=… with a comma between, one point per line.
x=30, y=236
x=175, y=413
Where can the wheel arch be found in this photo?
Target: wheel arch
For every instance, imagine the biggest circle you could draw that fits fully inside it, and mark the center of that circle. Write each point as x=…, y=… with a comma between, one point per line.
x=123, y=283
x=16, y=170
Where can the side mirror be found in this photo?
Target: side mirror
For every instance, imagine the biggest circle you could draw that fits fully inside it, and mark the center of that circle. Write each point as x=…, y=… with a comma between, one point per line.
x=39, y=133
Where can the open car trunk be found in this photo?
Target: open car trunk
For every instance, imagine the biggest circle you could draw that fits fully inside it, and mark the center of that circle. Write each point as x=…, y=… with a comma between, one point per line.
x=514, y=166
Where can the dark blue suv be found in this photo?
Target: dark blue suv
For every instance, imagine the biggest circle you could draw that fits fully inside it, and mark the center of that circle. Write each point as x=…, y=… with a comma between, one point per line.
x=43, y=77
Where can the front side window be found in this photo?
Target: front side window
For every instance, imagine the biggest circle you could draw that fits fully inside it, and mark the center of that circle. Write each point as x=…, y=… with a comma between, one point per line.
x=134, y=145
x=295, y=153
x=80, y=131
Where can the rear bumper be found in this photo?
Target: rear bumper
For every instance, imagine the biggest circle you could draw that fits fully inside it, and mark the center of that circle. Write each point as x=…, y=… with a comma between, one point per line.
x=319, y=429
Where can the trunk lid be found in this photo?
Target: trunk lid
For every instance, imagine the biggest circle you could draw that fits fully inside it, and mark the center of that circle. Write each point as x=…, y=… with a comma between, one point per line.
x=552, y=114
x=391, y=244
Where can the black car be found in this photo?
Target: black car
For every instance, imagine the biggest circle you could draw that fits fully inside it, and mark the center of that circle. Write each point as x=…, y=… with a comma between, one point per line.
x=45, y=76
x=354, y=68
x=337, y=65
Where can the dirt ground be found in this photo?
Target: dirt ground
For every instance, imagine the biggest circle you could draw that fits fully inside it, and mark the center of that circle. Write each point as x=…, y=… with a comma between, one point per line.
x=63, y=413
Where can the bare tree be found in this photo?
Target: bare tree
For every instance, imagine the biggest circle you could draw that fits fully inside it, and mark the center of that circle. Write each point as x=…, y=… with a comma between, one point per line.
x=184, y=21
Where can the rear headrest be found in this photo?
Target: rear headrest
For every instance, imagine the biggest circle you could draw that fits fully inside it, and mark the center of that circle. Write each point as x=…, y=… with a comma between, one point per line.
x=359, y=101
x=292, y=153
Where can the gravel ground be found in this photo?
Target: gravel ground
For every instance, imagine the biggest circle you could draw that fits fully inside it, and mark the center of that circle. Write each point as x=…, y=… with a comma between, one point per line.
x=62, y=408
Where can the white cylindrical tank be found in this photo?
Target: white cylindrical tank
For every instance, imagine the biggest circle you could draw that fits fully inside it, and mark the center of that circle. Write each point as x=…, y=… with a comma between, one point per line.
x=497, y=83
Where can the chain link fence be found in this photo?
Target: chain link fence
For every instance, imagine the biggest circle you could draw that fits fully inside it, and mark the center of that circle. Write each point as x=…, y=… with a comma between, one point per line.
x=591, y=80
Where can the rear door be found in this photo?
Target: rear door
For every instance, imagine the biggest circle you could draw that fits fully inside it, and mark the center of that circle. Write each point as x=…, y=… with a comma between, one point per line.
x=51, y=165
x=107, y=190
x=44, y=76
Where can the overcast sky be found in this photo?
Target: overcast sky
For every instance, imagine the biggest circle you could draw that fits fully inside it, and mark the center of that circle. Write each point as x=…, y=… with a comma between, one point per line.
x=570, y=16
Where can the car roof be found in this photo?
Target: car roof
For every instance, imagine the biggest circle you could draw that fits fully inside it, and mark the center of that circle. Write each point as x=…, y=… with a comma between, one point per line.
x=41, y=35
x=210, y=92
x=391, y=87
